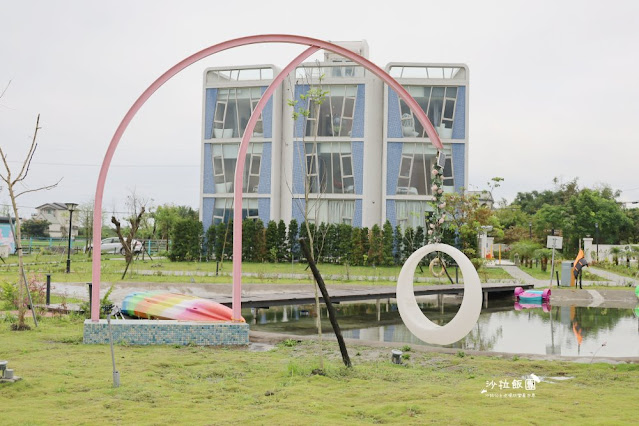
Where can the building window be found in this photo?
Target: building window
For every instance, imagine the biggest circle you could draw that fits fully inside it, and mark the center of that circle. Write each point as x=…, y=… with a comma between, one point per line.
x=439, y=104
x=329, y=168
x=331, y=211
x=233, y=109
x=334, y=116
x=411, y=214
x=415, y=168
x=224, y=161
x=223, y=209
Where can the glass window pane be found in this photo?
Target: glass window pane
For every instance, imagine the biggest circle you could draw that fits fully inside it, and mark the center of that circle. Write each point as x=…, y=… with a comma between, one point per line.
x=255, y=165
x=404, y=167
x=448, y=168
x=450, y=108
x=347, y=166
x=219, y=112
x=451, y=92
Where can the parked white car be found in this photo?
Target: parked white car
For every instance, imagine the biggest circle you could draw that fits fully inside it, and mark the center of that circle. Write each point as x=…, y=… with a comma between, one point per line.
x=113, y=245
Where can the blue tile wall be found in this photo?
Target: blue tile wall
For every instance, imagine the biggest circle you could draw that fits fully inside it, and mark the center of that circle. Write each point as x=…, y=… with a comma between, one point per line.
x=265, y=169
x=394, y=156
x=264, y=209
x=298, y=167
x=300, y=89
x=357, y=218
x=267, y=117
x=207, y=212
x=209, y=110
x=358, y=165
x=297, y=212
x=459, y=158
x=459, y=125
x=391, y=213
x=360, y=104
x=152, y=332
x=209, y=182
x=394, y=117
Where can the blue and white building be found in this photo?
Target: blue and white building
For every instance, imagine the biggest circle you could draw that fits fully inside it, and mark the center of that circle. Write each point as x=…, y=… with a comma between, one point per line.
x=359, y=157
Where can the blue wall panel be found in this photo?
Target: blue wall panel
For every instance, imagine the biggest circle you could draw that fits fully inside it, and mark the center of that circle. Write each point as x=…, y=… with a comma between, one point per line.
x=298, y=167
x=209, y=110
x=358, y=166
x=390, y=212
x=394, y=119
x=207, y=212
x=394, y=156
x=459, y=160
x=459, y=125
x=357, y=218
x=264, y=209
x=209, y=183
x=265, y=169
x=297, y=212
x=360, y=104
x=299, y=123
x=267, y=117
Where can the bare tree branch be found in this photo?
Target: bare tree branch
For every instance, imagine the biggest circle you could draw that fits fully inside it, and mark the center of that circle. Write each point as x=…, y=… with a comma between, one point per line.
x=27, y=161
x=6, y=178
x=5, y=89
x=42, y=188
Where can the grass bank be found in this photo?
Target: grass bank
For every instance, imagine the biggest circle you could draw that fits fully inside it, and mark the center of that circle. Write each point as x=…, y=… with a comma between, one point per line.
x=65, y=381
x=163, y=270
x=621, y=269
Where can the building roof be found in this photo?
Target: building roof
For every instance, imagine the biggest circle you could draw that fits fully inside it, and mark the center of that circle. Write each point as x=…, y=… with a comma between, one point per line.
x=54, y=206
x=5, y=219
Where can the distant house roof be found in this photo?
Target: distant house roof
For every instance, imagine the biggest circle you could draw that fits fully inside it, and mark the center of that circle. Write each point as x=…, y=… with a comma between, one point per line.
x=55, y=206
x=482, y=195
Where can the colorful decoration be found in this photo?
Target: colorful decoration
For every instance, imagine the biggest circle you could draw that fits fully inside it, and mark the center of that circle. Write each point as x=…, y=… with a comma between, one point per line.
x=173, y=306
x=532, y=296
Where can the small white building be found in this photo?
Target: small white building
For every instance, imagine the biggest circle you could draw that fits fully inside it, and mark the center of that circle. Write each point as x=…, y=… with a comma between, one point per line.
x=57, y=215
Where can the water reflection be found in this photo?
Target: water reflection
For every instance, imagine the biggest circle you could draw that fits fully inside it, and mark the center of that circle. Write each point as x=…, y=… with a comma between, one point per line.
x=542, y=329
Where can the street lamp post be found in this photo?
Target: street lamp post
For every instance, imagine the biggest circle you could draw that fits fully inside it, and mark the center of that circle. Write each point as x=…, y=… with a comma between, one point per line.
x=71, y=207
x=597, y=238
x=530, y=230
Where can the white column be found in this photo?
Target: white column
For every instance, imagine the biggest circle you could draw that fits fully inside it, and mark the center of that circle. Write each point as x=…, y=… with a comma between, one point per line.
x=588, y=249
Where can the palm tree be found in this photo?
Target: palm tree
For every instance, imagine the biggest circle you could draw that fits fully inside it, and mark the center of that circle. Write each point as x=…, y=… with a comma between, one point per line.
x=615, y=252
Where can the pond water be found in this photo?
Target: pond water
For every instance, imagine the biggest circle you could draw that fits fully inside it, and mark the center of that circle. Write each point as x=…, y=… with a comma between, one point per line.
x=556, y=330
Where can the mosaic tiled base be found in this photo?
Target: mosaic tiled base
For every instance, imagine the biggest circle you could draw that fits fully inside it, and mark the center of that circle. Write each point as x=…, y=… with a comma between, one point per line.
x=154, y=332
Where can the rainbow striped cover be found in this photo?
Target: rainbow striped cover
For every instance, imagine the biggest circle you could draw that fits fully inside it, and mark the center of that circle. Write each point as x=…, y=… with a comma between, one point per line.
x=173, y=306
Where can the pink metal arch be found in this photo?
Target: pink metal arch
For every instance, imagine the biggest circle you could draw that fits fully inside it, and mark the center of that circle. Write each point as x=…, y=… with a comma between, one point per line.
x=237, y=228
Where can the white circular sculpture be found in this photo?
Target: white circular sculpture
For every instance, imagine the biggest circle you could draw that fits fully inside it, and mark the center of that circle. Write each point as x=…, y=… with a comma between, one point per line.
x=416, y=321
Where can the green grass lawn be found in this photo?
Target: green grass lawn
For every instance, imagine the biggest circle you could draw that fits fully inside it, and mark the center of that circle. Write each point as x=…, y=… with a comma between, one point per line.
x=113, y=266
x=66, y=382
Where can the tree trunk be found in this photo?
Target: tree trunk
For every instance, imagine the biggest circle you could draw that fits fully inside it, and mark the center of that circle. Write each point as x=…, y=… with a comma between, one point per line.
x=544, y=264
x=22, y=309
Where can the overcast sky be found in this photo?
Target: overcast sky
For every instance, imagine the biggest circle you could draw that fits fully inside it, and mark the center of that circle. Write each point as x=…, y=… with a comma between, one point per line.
x=553, y=84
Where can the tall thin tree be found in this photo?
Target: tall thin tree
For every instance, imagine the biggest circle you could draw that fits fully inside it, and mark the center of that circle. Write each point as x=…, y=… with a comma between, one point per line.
x=12, y=182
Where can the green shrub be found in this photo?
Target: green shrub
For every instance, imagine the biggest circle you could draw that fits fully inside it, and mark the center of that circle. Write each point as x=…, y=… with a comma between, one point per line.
x=8, y=295
x=477, y=262
x=186, y=240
